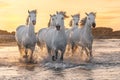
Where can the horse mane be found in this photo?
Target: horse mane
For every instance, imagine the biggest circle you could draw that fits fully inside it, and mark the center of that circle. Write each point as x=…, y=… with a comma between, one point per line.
x=27, y=20
x=70, y=23
x=49, y=22
x=63, y=13
x=83, y=21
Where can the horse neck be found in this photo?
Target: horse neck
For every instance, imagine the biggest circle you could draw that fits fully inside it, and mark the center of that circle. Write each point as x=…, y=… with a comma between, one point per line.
x=63, y=28
x=74, y=25
x=31, y=29
x=87, y=29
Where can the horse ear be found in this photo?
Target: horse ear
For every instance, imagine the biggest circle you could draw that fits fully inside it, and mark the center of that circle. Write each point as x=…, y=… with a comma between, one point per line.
x=50, y=15
x=86, y=13
x=64, y=13
x=35, y=11
x=71, y=15
x=95, y=13
x=28, y=11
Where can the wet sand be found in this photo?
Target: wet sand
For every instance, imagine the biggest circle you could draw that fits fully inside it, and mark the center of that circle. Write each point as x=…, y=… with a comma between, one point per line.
x=104, y=66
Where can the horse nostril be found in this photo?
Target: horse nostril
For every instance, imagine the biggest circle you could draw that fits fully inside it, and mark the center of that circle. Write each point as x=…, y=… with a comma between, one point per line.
x=58, y=27
x=34, y=22
x=94, y=25
x=76, y=23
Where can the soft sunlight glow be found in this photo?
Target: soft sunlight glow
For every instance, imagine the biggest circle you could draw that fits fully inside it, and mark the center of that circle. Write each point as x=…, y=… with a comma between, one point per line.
x=14, y=12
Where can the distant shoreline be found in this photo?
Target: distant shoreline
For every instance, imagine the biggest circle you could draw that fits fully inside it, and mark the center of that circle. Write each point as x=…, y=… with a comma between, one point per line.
x=98, y=33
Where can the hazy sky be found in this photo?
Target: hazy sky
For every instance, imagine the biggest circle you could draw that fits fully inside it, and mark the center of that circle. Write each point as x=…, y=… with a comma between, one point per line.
x=14, y=12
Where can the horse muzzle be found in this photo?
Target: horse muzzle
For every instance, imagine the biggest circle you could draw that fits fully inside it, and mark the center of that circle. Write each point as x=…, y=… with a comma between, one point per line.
x=58, y=27
x=94, y=25
x=77, y=24
x=34, y=22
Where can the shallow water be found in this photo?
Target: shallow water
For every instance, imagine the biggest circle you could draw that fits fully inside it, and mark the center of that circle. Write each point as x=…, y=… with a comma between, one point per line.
x=104, y=66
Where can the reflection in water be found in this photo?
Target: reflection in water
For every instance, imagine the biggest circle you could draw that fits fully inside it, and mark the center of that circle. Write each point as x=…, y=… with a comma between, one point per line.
x=105, y=65
x=59, y=72
x=30, y=68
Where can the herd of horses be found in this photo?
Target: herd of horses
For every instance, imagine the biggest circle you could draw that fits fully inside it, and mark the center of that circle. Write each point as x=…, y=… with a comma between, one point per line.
x=56, y=36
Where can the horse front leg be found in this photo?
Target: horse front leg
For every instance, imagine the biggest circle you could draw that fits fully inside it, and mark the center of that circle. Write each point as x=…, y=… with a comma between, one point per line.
x=81, y=51
x=49, y=51
x=90, y=51
x=31, y=54
x=55, y=55
x=62, y=55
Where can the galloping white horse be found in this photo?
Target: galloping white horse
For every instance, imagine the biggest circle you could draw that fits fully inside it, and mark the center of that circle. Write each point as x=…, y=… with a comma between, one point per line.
x=42, y=32
x=56, y=38
x=83, y=36
x=26, y=38
x=74, y=24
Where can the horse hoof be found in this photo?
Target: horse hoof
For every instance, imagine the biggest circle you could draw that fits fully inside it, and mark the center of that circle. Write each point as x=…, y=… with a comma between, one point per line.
x=53, y=58
x=89, y=60
x=61, y=59
x=25, y=56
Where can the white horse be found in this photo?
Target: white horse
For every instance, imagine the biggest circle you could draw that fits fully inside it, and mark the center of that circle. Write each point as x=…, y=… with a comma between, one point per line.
x=26, y=38
x=42, y=32
x=83, y=36
x=74, y=24
x=56, y=38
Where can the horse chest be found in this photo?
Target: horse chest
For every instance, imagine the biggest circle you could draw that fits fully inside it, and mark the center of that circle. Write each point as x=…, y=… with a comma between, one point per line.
x=29, y=40
x=60, y=40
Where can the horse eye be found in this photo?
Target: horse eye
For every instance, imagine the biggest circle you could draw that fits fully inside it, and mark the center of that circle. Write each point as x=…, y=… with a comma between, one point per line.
x=62, y=18
x=52, y=19
x=89, y=18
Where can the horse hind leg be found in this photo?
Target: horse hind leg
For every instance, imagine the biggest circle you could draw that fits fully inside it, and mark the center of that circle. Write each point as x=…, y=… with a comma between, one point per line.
x=31, y=57
x=74, y=48
x=40, y=45
x=21, y=50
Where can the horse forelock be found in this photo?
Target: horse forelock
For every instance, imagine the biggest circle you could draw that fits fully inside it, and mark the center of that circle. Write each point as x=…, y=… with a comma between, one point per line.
x=76, y=15
x=34, y=11
x=63, y=13
x=83, y=21
x=93, y=13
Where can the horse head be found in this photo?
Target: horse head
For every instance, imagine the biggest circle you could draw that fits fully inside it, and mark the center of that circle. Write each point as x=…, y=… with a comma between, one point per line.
x=75, y=19
x=60, y=16
x=31, y=17
x=91, y=19
x=52, y=20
